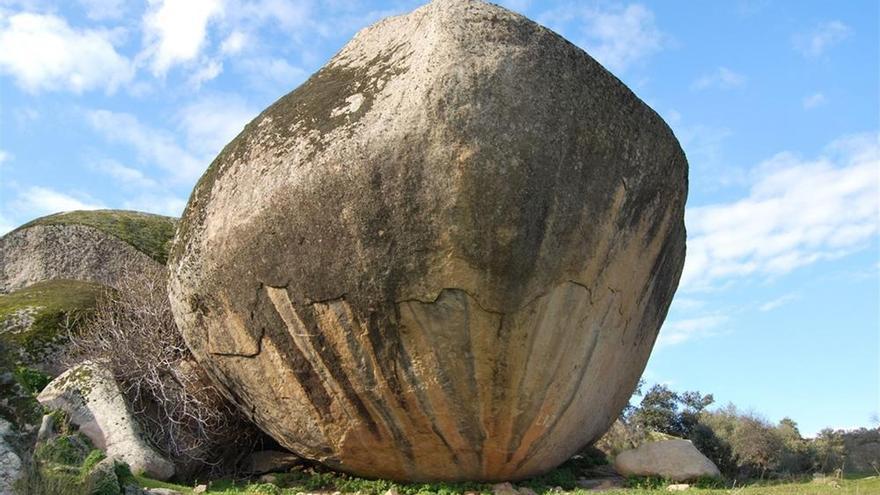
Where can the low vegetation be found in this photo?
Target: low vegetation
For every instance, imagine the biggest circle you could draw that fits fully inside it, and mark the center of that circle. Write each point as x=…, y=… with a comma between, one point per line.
x=296, y=483
x=36, y=320
x=151, y=234
x=743, y=445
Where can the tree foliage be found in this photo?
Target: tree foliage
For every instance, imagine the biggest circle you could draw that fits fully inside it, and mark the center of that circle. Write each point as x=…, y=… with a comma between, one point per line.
x=741, y=444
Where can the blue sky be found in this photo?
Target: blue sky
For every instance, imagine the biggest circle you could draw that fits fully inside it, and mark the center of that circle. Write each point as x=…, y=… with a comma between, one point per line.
x=107, y=103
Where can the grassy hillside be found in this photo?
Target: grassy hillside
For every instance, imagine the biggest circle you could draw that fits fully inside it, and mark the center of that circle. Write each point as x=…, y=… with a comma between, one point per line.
x=32, y=320
x=148, y=233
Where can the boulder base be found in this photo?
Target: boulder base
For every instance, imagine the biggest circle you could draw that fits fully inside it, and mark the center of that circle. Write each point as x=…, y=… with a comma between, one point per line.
x=445, y=256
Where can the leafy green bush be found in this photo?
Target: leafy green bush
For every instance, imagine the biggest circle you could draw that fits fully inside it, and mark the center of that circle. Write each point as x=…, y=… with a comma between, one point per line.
x=94, y=457
x=70, y=450
x=32, y=380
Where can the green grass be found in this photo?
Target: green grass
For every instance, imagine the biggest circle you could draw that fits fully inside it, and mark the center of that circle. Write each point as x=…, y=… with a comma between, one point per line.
x=295, y=482
x=49, y=304
x=150, y=234
x=145, y=482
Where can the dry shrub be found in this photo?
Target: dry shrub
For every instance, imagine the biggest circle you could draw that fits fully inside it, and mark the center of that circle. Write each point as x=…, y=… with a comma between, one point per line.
x=132, y=332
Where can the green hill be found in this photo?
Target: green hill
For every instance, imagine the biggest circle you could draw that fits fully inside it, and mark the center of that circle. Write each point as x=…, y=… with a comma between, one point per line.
x=149, y=233
x=33, y=320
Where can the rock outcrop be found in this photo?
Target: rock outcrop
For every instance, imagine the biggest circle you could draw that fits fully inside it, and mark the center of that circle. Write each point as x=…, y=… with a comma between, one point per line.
x=95, y=246
x=10, y=462
x=676, y=460
x=93, y=402
x=445, y=256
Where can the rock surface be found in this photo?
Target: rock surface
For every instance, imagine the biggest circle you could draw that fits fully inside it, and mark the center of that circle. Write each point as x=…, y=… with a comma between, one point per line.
x=93, y=401
x=677, y=460
x=48, y=249
x=445, y=256
x=10, y=462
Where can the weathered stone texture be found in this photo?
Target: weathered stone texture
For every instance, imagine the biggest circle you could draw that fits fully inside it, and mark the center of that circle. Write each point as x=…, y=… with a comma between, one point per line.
x=72, y=252
x=445, y=256
x=675, y=459
x=93, y=402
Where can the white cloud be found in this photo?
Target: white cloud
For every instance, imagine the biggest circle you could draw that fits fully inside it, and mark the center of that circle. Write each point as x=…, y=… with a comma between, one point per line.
x=814, y=100
x=42, y=52
x=704, y=146
x=272, y=74
x=289, y=15
x=211, y=122
x=721, y=78
x=234, y=43
x=618, y=37
x=820, y=39
x=38, y=201
x=175, y=31
x=153, y=146
x=687, y=304
x=163, y=204
x=797, y=212
x=100, y=10
x=4, y=157
x=126, y=176
x=779, y=301
x=210, y=70
x=678, y=331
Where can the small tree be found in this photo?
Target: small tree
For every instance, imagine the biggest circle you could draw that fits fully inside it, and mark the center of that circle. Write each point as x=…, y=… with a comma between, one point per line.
x=756, y=445
x=798, y=455
x=133, y=333
x=830, y=450
x=665, y=411
x=658, y=411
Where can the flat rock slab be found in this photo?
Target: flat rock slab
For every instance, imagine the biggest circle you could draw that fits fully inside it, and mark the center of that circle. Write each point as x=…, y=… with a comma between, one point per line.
x=676, y=460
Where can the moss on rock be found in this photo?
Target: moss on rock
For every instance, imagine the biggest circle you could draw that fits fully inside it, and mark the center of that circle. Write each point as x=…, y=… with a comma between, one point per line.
x=34, y=320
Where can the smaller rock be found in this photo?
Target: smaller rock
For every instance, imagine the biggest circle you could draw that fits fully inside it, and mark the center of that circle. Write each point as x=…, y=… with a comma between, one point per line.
x=10, y=462
x=200, y=489
x=93, y=401
x=270, y=461
x=527, y=491
x=504, y=489
x=676, y=460
x=47, y=428
x=268, y=478
x=392, y=491
x=162, y=491
x=678, y=487
x=102, y=478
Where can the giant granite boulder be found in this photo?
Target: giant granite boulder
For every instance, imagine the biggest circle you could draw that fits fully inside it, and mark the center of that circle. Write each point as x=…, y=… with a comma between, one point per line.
x=445, y=256
x=93, y=246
